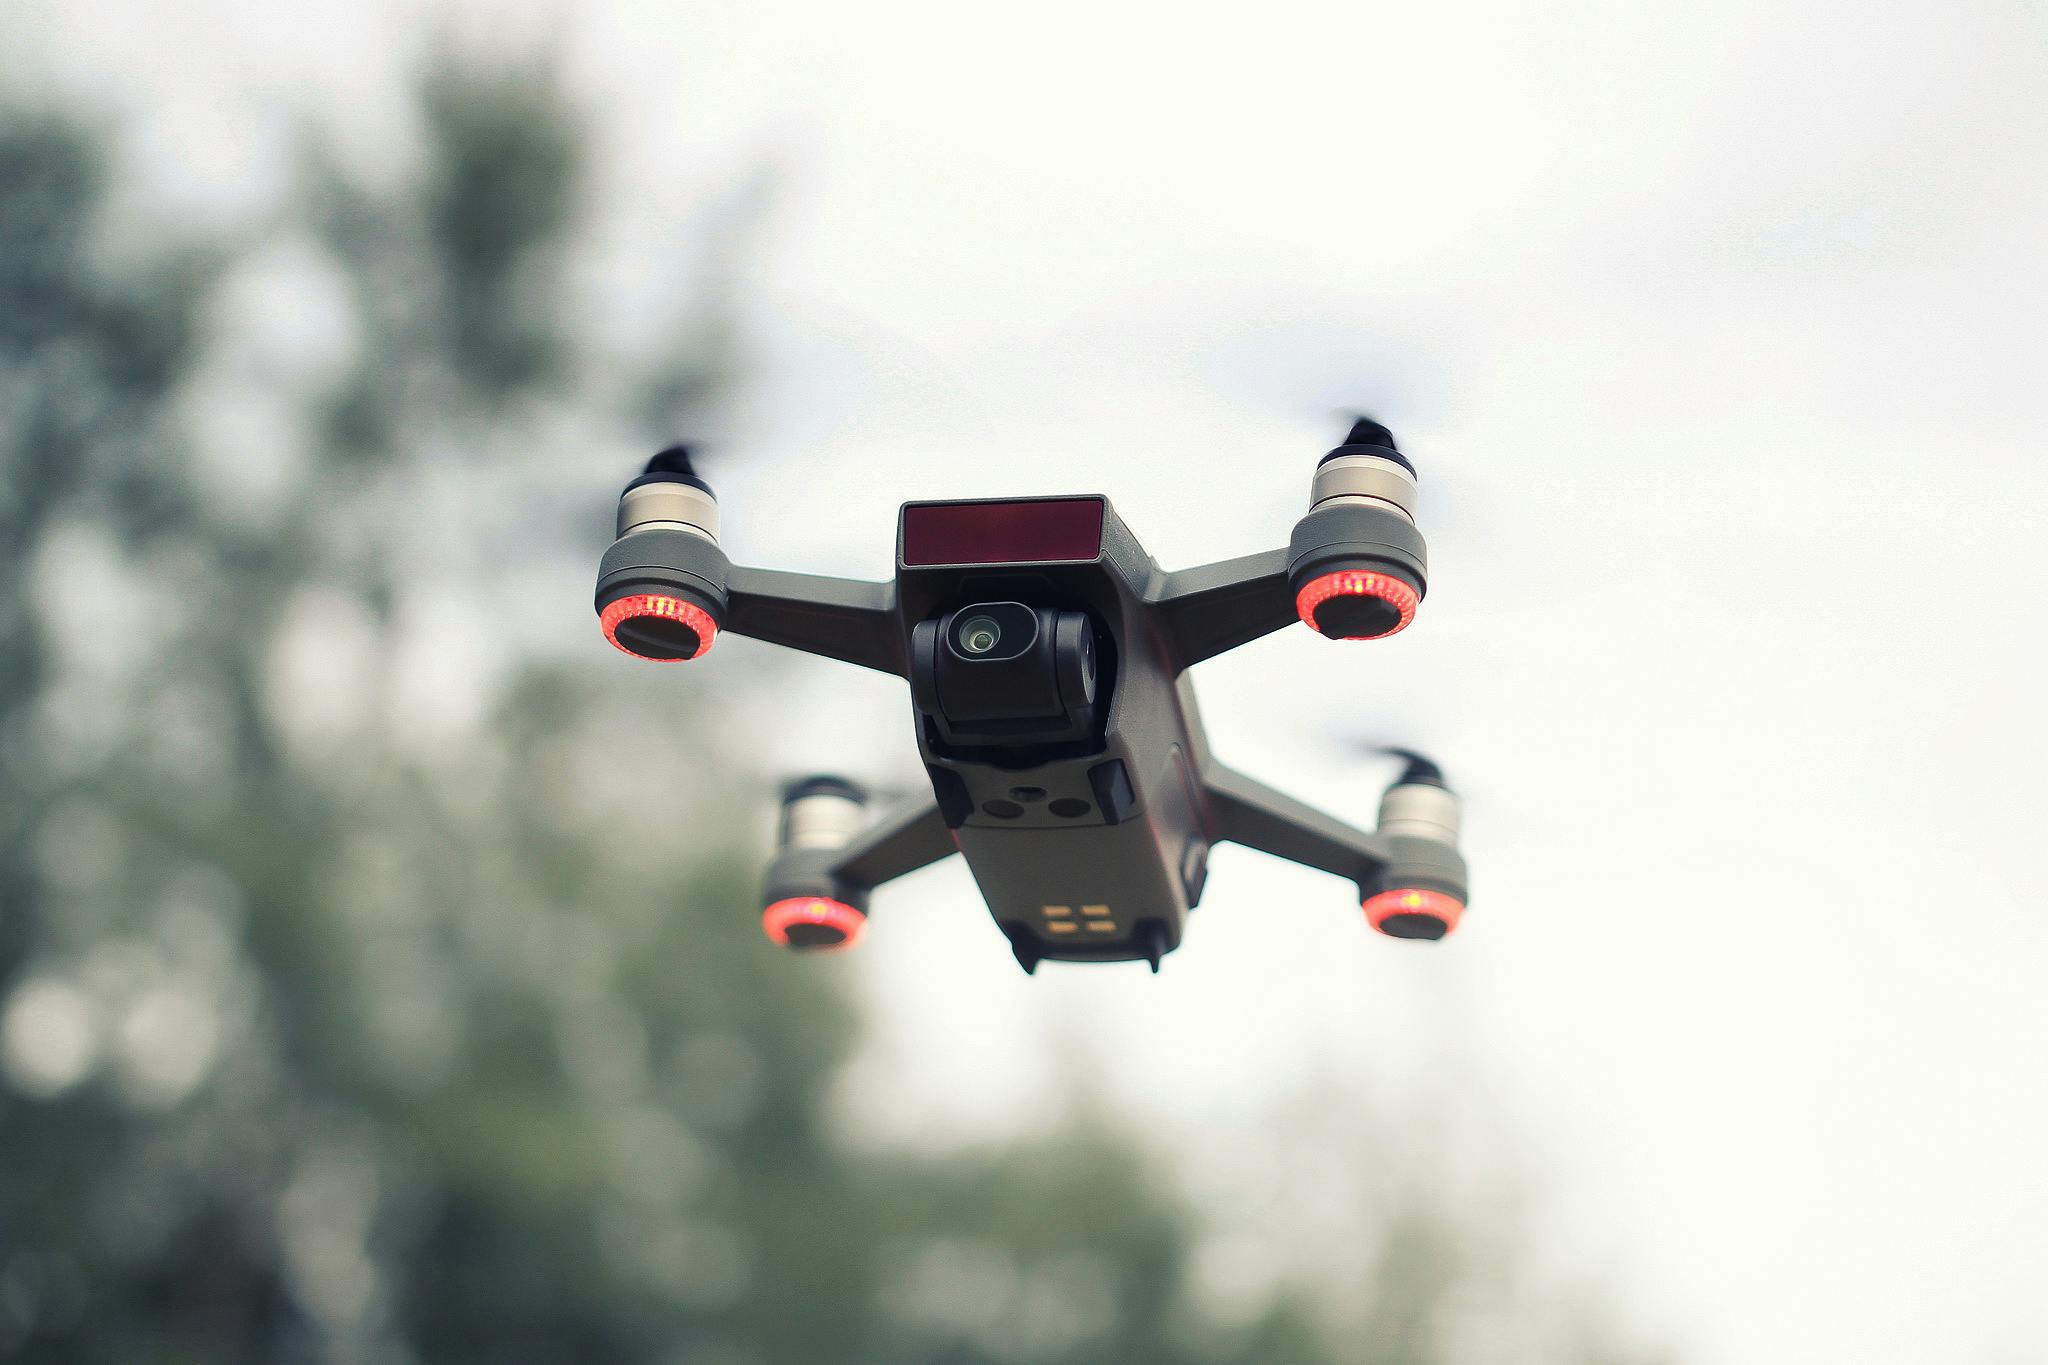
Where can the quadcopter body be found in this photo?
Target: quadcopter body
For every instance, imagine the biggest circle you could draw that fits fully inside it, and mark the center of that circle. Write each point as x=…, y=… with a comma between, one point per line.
x=1047, y=659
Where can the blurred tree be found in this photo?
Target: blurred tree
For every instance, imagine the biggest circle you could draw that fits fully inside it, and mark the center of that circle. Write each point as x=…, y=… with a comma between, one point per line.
x=332, y=1025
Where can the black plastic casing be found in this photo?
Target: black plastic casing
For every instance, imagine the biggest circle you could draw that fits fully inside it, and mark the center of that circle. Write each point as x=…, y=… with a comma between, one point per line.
x=1110, y=817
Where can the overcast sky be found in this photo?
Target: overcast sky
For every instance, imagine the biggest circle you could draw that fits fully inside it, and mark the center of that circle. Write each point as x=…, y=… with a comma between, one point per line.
x=1716, y=334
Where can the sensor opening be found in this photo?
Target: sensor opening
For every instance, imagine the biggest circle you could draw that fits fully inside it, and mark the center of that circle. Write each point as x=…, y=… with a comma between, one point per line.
x=980, y=634
x=993, y=631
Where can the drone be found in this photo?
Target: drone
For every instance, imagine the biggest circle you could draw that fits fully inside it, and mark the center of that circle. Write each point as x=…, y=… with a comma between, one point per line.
x=1047, y=657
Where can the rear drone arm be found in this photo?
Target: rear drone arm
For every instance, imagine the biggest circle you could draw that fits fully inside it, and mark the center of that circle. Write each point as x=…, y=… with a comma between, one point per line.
x=895, y=846
x=1248, y=812
x=1409, y=874
x=828, y=858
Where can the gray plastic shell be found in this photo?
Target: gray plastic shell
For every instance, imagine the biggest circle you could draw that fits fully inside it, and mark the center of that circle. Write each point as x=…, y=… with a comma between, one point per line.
x=1344, y=534
x=660, y=557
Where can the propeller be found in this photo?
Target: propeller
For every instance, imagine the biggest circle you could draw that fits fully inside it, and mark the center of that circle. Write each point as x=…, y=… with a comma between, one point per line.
x=674, y=460
x=1368, y=431
x=1307, y=364
x=675, y=463
x=1416, y=767
x=1501, y=821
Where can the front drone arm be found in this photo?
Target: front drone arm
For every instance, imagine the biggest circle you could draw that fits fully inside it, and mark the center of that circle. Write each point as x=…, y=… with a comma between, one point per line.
x=1217, y=607
x=1354, y=569
x=839, y=618
x=665, y=589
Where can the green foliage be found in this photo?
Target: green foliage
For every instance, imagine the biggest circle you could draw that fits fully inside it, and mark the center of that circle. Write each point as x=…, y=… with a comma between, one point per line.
x=334, y=1029
x=501, y=193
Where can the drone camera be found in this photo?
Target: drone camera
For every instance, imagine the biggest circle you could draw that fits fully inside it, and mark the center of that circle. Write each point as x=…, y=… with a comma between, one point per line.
x=1357, y=564
x=807, y=908
x=996, y=671
x=661, y=586
x=992, y=634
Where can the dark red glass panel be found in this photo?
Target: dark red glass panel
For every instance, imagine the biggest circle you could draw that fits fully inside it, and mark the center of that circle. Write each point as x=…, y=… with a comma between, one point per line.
x=1002, y=532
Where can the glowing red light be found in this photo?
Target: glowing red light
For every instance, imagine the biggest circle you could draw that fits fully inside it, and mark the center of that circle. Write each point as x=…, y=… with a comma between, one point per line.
x=660, y=605
x=1446, y=910
x=1358, y=583
x=808, y=916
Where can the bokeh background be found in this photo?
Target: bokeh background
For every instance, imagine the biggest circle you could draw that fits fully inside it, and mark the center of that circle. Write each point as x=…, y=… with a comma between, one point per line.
x=379, y=970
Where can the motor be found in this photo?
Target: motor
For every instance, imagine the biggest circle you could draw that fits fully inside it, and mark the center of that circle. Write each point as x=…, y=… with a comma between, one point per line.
x=1357, y=563
x=1425, y=874
x=661, y=587
x=808, y=908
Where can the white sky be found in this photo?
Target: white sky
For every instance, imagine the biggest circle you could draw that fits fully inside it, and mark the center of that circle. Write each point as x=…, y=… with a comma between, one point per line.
x=1716, y=333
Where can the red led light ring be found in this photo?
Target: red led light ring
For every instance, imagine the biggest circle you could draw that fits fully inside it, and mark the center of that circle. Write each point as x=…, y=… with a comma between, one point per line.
x=659, y=604
x=777, y=919
x=1410, y=901
x=1358, y=583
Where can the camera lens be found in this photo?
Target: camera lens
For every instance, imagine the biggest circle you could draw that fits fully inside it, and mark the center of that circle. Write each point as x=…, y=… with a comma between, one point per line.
x=979, y=634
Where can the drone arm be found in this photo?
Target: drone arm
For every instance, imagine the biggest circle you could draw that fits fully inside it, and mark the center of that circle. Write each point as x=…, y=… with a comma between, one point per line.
x=1217, y=607
x=1248, y=812
x=838, y=618
x=896, y=846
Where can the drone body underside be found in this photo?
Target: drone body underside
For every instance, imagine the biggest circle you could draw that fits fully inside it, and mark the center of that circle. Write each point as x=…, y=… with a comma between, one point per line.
x=1046, y=654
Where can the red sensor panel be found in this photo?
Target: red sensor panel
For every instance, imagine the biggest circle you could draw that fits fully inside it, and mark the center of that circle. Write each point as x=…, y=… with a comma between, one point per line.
x=1046, y=531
